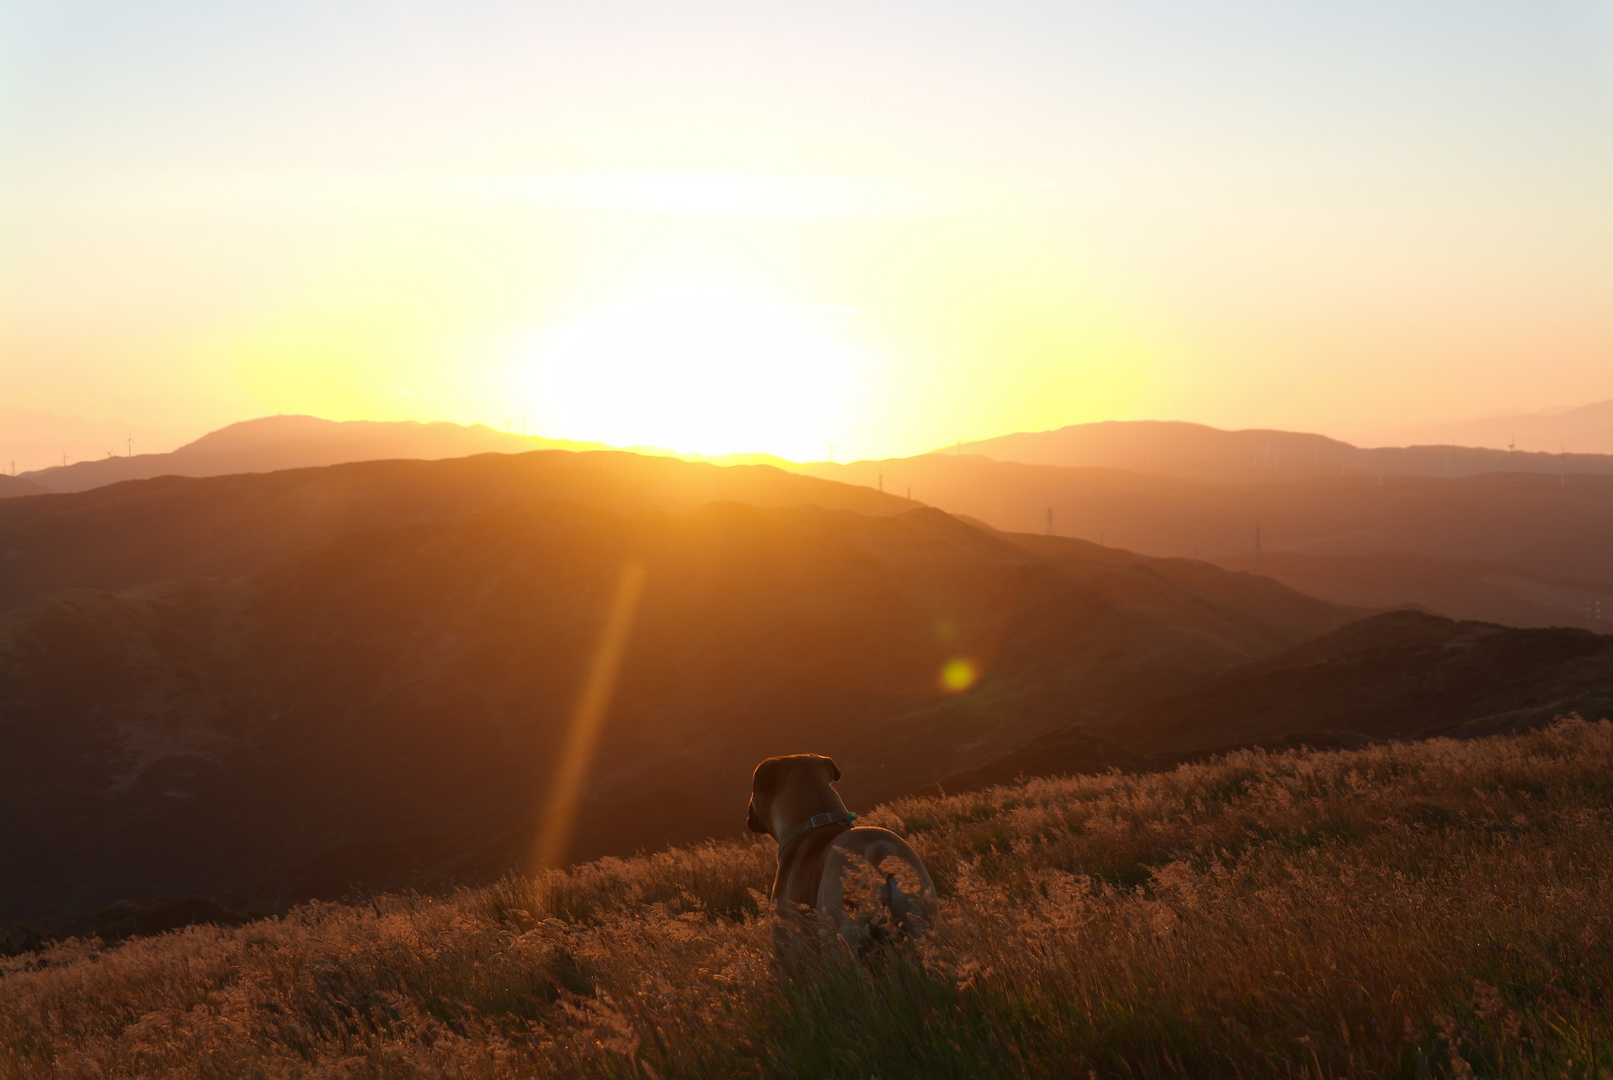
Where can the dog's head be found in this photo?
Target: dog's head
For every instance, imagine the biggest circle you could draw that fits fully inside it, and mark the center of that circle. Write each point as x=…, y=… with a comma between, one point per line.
x=771, y=775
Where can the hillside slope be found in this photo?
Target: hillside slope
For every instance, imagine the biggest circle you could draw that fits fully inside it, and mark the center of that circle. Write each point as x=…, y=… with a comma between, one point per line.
x=140, y=532
x=387, y=709
x=1458, y=588
x=1400, y=675
x=1173, y=448
x=1426, y=909
x=13, y=486
x=1547, y=527
x=272, y=443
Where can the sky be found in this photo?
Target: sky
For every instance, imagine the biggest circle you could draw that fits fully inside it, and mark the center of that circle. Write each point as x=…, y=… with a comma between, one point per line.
x=865, y=229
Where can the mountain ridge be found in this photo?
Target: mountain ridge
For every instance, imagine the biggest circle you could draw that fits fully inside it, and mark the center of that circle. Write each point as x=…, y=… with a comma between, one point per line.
x=384, y=709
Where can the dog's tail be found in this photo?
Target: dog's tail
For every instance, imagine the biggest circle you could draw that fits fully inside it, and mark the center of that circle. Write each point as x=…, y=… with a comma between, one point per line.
x=912, y=909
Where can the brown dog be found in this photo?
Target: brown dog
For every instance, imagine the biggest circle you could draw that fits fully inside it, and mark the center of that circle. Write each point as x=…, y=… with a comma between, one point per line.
x=820, y=854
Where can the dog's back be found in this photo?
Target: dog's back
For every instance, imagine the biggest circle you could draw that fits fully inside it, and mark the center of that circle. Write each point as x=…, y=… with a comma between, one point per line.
x=873, y=882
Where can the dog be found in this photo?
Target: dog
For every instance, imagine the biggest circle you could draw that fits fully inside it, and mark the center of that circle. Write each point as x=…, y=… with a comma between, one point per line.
x=821, y=854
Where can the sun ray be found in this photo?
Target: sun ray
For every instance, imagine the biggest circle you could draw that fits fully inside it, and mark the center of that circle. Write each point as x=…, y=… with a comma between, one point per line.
x=571, y=771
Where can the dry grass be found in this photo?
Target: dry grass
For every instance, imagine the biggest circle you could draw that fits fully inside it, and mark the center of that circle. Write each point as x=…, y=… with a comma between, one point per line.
x=1438, y=908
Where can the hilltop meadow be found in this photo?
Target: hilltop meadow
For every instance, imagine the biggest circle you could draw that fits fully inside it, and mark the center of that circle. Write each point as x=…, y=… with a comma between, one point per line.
x=1407, y=909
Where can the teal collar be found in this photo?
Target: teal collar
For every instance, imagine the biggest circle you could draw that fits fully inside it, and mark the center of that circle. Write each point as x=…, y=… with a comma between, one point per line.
x=818, y=821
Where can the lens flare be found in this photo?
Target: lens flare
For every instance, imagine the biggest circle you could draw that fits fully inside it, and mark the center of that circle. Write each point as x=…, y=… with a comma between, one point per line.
x=565, y=790
x=959, y=674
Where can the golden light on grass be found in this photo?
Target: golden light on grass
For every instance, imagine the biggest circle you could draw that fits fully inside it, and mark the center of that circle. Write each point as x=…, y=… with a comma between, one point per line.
x=571, y=771
x=959, y=674
x=1248, y=916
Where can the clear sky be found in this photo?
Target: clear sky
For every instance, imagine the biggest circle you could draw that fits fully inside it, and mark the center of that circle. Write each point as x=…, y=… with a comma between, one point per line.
x=748, y=225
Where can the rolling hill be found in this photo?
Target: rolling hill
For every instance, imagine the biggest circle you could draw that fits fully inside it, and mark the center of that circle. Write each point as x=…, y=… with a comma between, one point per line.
x=1400, y=675
x=13, y=486
x=135, y=533
x=1173, y=448
x=1547, y=540
x=273, y=443
x=1588, y=429
x=385, y=708
x=1458, y=588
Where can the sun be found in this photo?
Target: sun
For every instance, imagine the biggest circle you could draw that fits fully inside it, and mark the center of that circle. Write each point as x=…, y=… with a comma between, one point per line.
x=694, y=367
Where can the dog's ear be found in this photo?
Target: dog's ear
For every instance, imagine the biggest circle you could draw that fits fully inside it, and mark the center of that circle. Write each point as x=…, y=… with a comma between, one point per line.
x=752, y=822
x=834, y=770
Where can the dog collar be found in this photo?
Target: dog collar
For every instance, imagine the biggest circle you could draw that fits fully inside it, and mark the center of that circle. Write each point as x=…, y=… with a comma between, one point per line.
x=818, y=821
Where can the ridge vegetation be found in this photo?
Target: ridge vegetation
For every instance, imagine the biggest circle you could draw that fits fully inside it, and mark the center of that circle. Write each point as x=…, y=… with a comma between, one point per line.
x=1437, y=908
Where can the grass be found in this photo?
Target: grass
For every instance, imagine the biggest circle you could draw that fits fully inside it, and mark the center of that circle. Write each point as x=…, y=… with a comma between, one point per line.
x=1428, y=909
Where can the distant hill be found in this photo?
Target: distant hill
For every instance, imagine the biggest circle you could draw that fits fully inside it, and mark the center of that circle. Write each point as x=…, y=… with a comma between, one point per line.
x=1547, y=540
x=1587, y=429
x=386, y=709
x=1171, y=448
x=1461, y=589
x=11, y=486
x=1400, y=675
x=292, y=442
x=139, y=532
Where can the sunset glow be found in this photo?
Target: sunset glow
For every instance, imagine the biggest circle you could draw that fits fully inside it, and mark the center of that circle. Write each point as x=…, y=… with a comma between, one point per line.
x=737, y=228
x=695, y=368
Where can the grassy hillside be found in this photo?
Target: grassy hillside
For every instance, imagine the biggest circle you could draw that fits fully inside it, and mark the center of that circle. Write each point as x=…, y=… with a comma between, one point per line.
x=1406, y=910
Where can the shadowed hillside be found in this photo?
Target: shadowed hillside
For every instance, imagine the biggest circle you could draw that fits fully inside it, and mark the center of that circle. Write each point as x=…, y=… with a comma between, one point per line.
x=141, y=532
x=12, y=486
x=1556, y=533
x=1400, y=675
x=1458, y=588
x=387, y=709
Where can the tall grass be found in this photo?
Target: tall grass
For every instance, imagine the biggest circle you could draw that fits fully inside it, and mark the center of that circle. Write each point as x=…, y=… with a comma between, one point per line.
x=1437, y=908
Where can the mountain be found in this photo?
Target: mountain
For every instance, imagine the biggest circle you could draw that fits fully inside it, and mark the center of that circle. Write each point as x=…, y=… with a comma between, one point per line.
x=1587, y=430
x=12, y=486
x=1171, y=448
x=273, y=443
x=1458, y=588
x=1399, y=675
x=290, y=442
x=387, y=708
x=1554, y=534
x=32, y=439
x=135, y=533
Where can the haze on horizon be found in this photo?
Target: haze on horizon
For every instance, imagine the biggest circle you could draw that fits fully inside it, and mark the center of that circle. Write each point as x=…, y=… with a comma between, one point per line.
x=773, y=227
